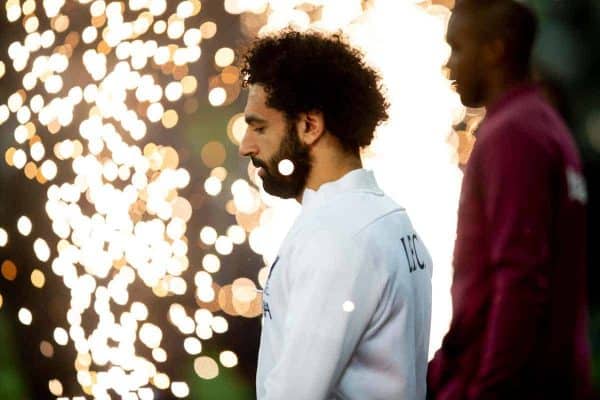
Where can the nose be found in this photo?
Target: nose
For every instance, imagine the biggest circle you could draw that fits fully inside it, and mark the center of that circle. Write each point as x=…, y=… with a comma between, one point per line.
x=248, y=146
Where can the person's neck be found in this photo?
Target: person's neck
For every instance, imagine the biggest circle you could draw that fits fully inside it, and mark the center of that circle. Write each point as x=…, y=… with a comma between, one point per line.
x=330, y=166
x=500, y=85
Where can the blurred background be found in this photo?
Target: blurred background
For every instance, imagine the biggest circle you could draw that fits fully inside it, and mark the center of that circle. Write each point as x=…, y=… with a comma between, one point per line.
x=134, y=240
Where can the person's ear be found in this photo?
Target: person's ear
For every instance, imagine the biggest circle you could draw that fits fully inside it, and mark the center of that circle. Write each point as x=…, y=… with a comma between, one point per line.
x=310, y=127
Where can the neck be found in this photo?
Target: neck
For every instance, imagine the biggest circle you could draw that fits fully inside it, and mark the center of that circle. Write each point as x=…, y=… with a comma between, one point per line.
x=501, y=84
x=330, y=163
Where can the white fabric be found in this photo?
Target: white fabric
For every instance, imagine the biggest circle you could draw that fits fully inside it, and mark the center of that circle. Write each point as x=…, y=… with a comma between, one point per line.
x=347, y=306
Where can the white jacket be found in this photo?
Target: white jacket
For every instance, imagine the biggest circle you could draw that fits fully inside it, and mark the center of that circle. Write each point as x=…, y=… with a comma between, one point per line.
x=347, y=305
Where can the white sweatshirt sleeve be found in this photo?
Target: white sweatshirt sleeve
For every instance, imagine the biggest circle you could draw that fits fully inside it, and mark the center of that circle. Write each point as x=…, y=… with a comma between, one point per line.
x=333, y=294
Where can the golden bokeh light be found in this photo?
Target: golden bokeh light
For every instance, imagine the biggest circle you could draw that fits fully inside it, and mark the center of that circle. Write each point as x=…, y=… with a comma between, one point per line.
x=206, y=367
x=24, y=225
x=55, y=387
x=217, y=96
x=213, y=154
x=46, y=349
x=180, y=389
x=192, y=346
x=3, y=237
x=9, y=270
x=38, y=279
x=228, y=359
x=25, y=316
x=224, y=57
x=61, y=337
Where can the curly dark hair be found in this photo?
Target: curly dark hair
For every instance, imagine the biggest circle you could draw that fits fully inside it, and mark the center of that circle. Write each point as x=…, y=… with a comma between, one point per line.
x=303, y=72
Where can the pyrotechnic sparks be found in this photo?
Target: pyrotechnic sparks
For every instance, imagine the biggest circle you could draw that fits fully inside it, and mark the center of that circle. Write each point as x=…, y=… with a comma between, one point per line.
x=121, y=221
x=121, y=218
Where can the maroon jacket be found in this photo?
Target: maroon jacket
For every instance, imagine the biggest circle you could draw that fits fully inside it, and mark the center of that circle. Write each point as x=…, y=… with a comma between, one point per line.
x=519, y=327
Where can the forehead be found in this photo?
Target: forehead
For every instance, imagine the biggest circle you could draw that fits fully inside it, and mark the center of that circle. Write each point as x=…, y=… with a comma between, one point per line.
x=460, y=28
x=257, y=108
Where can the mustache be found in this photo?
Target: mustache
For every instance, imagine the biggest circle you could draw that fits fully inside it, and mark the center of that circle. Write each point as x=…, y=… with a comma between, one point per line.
x=258, y=163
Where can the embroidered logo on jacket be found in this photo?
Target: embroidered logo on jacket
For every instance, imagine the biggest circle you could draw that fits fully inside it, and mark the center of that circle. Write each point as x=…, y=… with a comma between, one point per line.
x=576, y=186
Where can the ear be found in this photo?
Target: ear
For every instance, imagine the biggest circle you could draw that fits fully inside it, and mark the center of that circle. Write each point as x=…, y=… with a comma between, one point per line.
x=310, y=127
x=494, y=52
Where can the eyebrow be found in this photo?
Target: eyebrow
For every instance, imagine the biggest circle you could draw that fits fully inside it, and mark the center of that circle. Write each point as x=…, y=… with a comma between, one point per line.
x=254, y=119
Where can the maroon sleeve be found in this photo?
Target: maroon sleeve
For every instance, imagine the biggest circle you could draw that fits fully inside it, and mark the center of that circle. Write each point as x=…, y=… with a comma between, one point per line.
x=517, y=191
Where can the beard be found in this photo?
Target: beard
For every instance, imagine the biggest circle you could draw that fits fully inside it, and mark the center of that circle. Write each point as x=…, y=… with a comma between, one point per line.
x=292, y=149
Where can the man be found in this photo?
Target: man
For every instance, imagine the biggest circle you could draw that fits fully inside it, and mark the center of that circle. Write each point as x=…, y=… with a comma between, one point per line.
x=519, y=324
x=347, y=303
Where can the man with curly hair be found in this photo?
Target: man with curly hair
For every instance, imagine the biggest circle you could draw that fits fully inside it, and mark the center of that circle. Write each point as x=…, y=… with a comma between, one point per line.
x=347, y=305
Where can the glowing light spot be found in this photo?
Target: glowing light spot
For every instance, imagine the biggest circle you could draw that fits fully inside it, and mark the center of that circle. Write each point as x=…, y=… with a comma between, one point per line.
x=162, y=381
x=217, y=96
x=55, y=387
x=208, y=235
x=160, y=355
x=25, y=316
x=285, y=167
x=213, y=154
x=49, y=169
x=169, y=119
x=1, y=301
x=97, y=8
x=192, y=346
x=38, y=279
x=211, y=263
x=13, y=12
x=23, y=114
x=208, y=30
x=89, y=34
x=213, y=186
x=348, y=306
x=174, y=91
x=155, y=112
x=224, y=245
x=9, y=270
x=237, y=234
x=224, y=57
x=53, y=84
x=61, y=337
x=41, y=249
x=37, y=151
x=19, y=159
x=228, y=359
x=150, y=335
x=46, y=349
x=244, y=290
x=263, y=274
x=206, y=367
x=139, y=311
x=3, y=237
x=160, y=27
x=219, y=324
x=4, y=113
x=24, y=225
x=180, y=389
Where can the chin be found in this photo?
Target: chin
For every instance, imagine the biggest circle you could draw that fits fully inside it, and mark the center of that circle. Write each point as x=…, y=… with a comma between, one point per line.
x=471, y=101
x=281, y=190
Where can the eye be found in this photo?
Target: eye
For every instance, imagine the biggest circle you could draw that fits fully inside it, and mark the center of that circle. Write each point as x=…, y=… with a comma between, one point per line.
x=259, y=129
